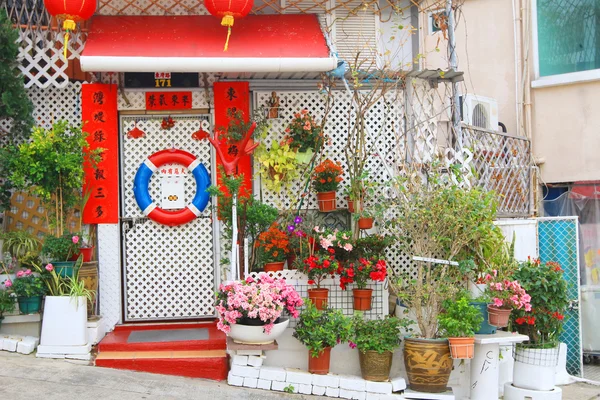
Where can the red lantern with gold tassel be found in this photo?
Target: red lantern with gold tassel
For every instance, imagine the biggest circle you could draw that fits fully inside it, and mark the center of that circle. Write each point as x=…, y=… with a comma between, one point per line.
x=70, y=12
x=228, y=10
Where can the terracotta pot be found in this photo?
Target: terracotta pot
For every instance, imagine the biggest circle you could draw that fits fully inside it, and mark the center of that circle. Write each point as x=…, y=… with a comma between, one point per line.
x=462, y=347
x=87, y=252
x=428, y=364
x=319, y=365
x=365, y=223
x=318, y=297
x=351, y=203
x=291, y=259
x=274, y=266
x=498, y=317
x=326, y=201
x=374, y=366
x=362, y=299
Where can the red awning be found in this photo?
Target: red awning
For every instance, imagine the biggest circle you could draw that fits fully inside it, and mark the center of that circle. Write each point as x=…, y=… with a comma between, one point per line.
x=585, y=189
x=259, y=43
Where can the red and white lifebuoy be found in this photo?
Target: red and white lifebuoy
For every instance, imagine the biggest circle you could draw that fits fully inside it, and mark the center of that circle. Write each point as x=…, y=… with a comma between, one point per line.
x=142, y=182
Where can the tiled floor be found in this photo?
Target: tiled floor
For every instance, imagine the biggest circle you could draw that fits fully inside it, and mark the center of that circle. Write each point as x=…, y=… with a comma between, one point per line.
x=592, y=372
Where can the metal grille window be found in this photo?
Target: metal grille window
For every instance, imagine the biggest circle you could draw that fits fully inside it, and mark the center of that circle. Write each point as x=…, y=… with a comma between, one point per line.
x=568, y=34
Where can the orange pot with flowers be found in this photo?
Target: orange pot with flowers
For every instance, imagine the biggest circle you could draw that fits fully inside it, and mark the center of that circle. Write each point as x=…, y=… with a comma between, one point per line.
x=317, y=266
x=359, y=273
x=273, y=248
x=326, y=179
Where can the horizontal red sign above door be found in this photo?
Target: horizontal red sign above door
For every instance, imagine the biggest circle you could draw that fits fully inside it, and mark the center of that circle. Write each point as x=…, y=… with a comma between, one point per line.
x=165, y=101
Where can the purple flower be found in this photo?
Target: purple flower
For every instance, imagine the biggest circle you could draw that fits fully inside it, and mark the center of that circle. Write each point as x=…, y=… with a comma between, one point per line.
x=291, y=228
x=298, y=220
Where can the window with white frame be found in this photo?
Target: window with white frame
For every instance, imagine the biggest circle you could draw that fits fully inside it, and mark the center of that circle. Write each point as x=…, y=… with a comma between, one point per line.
x=568, y=34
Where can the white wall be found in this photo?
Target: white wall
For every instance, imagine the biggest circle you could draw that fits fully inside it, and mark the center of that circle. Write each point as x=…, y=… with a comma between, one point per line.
x=525, y=234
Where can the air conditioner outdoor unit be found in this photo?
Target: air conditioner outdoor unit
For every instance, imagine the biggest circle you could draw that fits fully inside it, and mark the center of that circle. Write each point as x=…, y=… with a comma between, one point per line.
x=480, y=111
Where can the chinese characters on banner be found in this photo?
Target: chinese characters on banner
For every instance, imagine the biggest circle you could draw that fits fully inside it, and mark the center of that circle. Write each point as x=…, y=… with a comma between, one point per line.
x=168, y=100
x=100, y=119
x=229, y=98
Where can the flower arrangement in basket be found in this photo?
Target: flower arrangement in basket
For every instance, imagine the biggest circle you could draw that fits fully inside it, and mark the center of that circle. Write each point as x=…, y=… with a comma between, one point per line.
x=326, y=179
x=359, y=273
x=256, y=302
x=505, y=296
x=273, y=246
x=305, y=135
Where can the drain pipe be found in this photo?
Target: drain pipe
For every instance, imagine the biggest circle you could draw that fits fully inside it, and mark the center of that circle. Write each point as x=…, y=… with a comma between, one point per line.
x=454, y=67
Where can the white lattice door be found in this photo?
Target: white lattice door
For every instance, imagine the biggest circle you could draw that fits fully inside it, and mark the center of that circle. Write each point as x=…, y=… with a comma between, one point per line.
x=169, y=272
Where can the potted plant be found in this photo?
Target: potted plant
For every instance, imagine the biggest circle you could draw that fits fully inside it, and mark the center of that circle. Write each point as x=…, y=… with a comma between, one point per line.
x=319, y=331
x=305, y=136
x=250, y=311
x=30, y=290
x=64, y=321
x=458, y=322
x=365, y=219
x=84, y=245
x=298, y=247
x=536, y=360
x=326, y=179
x=505, y=296
x=19, y=244
x=376, y=341
x=59, y=250
x=7, y=304
x=277, y=165
x=359, y=272
x=273, y=248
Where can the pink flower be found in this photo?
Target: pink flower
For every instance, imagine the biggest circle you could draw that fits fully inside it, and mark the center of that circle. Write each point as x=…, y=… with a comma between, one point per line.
x=498, y=302
x=498, y=286
x=7, y=283
x=348, y=247
x=495, y=272
x=488, y=277
x=49, y=267
x=75, y=239
x=352, y=345
x=28, y=272
x=20, y=274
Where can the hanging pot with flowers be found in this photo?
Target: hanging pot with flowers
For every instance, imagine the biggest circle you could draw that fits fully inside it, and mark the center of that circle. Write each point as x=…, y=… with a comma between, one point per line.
x=305, y=136
x=273, y=248
x=506, y=295
x=251, y=311
x=359, y=273
x=326, y=179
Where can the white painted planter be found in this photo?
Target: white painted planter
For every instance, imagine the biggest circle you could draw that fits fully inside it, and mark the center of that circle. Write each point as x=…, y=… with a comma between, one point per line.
x=535, y=375
x=64, y=322
x=256, y=334
x=476, y=289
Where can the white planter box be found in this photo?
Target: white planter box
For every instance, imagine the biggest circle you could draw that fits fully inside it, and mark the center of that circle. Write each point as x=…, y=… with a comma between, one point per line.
x=64, y=322
x=535, y=369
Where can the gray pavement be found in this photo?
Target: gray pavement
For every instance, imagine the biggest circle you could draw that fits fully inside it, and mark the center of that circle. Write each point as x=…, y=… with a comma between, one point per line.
x=26, y=377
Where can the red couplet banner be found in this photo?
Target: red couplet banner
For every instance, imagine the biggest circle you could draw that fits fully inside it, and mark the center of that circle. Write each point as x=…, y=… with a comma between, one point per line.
x=168, y=101
x=100, y=120
x=231, y=97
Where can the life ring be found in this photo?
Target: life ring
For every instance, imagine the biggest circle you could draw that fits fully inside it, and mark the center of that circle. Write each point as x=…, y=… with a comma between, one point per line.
x=149, y=207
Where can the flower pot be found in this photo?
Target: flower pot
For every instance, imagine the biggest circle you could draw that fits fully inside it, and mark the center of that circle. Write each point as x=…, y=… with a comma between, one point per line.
x=476, y=289
x=64, y=322
x=498, y=317
x=319, y=297
x=304, y=157
x=291, y=259
x=274, y=266
x=462, y=348
x=428, y=364
x=374, y=366
x=319, y=365
x=326, y=201
x=365, y=223
x=351, y=205
x=255, y=334
x=362, y=299
x=87, y=252
x=485, y=328
x=64, y=268
x=29, y=305
x=535, y=369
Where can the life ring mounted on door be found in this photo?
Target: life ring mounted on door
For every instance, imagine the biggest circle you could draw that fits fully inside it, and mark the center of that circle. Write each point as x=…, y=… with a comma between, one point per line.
x=142, y=181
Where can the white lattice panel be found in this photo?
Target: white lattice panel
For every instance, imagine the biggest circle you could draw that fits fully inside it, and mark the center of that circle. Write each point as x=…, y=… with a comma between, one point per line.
x=53, y=104
x=169, y=271
x=151, y=7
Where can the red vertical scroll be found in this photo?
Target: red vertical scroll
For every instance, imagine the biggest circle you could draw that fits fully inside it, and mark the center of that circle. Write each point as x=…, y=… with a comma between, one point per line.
x=100, y=118
x=233, y=96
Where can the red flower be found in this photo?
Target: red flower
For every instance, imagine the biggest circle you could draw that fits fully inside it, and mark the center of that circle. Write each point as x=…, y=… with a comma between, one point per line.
x=311, y=282
x=331, y=250
x=530, y=320
x=558, y=316
x=350, y=272
x=520, y=321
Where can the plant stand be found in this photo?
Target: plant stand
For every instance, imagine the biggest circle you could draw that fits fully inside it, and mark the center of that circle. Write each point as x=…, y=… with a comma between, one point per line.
x=484, y=365
x=514, y=393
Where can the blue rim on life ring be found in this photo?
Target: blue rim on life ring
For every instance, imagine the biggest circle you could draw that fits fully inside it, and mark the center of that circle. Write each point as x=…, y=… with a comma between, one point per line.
x=142, y=181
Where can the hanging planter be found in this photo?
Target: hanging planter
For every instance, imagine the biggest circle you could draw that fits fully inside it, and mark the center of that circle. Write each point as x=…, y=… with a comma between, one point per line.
x=362, y=299
x=319, y=297
x=327, y=201
x=498, y=317
x=325, y=181
x=274, y=266
x=365, y=223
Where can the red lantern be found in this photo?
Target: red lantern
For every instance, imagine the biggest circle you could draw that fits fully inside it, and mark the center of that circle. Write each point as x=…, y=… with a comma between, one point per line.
x=228, y=10
x=71, y=12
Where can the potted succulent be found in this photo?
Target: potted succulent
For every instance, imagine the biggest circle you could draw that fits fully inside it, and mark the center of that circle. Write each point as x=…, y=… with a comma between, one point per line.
x=319, y=331
x=505, y=296
x=7, y=304
x=273, y=248
x=326, y=179
x=376, y=341
x=59, y=250
x=305, y=136
x=359, y=272
x=250, y=311
x=30, y=290
x=64, y=321
x=536, y=360
x=458, y=322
